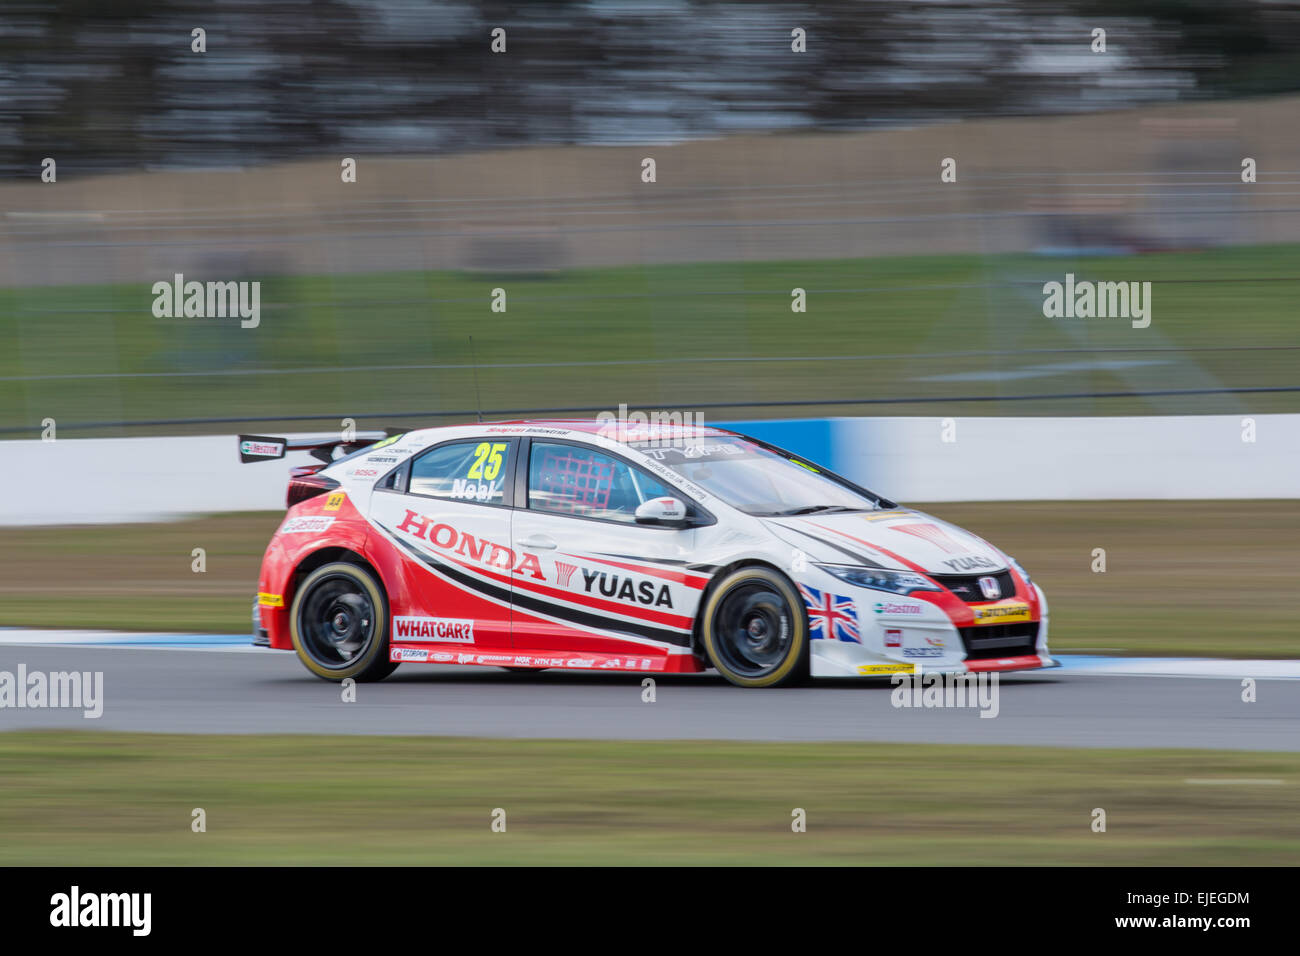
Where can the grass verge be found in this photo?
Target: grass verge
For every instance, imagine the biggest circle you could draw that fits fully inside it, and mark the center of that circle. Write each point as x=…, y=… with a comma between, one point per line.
x=74, y=798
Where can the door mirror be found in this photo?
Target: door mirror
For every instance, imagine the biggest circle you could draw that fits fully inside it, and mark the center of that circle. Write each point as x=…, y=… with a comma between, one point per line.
x=669, y=511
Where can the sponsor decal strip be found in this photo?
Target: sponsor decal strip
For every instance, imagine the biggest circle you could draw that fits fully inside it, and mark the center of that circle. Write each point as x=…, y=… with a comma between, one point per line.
x=596, y=629
x=871, y=670
x=305, y=523
x=604, y=625
x=896, y=607
x=575, y=661
x=439, y=630
x=633, y=598
x=630, y=610
x=690, y=580
x=1006, y=613
x=621, y=643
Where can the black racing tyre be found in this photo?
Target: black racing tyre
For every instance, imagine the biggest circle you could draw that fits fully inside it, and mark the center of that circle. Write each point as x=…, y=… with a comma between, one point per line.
x=339, y=624
x=755, y=629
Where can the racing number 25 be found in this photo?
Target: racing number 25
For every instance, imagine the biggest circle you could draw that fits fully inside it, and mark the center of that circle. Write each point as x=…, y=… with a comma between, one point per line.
x=487, y=461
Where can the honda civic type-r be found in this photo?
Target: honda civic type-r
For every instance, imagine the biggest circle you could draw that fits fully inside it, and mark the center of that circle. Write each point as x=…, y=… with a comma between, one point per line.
x=635, y=548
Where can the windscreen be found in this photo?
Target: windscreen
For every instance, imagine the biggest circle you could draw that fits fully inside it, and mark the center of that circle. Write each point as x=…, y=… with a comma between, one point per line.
x=753, y=479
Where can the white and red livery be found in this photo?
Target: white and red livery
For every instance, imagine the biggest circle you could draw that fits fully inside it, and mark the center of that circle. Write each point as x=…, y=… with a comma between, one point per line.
x=614, y=547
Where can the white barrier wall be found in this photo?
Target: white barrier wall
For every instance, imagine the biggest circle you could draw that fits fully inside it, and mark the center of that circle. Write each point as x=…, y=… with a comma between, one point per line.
x=83, y=481
x=1025, y=459
x=107, y=480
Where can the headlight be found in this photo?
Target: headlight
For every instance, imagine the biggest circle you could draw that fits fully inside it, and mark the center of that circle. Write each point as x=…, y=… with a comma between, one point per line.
x=878, y=579
x=1023, y=573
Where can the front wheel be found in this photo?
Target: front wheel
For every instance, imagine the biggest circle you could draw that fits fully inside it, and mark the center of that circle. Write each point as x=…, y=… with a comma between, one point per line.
x=755, y=630
x=338, y=622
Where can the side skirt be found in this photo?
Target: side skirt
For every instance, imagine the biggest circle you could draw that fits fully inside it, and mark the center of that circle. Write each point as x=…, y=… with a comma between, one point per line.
x=653, y=663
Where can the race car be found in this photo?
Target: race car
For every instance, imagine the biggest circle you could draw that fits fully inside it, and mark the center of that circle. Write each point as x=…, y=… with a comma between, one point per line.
x=638, y=548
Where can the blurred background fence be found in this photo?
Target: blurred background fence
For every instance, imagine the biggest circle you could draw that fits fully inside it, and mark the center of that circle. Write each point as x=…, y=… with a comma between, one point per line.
x=522, y=171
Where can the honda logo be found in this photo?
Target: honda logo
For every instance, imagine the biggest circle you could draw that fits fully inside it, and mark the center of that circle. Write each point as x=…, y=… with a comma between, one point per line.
x=990, y=588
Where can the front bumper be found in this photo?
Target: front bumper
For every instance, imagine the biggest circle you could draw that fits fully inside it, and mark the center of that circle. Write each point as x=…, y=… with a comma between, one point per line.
x=831, y=659
x=261, y=637
x=933, y=645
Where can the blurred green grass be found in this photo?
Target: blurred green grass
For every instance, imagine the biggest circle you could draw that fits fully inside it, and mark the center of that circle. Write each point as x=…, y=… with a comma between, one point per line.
x=72, y=798
x=1199, y=578
x=889, y=309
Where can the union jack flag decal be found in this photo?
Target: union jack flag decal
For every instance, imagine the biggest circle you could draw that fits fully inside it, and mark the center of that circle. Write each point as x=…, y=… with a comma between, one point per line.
x=831, y=617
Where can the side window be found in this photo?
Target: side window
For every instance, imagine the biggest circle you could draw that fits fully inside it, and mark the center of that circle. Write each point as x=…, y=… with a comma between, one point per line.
x=395, y=480
x=572, y=480
x=465, y=470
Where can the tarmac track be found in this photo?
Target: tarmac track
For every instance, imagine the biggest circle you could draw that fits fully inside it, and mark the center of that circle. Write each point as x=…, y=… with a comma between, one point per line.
x=1091, y=702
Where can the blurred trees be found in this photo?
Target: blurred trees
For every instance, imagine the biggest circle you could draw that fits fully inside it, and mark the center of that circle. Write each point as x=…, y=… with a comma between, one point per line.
x=110, y=84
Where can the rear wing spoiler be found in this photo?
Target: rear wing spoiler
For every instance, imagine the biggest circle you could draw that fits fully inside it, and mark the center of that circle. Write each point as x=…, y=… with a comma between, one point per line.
x=267, y=448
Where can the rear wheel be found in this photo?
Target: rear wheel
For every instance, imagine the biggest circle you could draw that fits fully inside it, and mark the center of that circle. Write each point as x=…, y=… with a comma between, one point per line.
x=755, y=630
x=338, y=622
